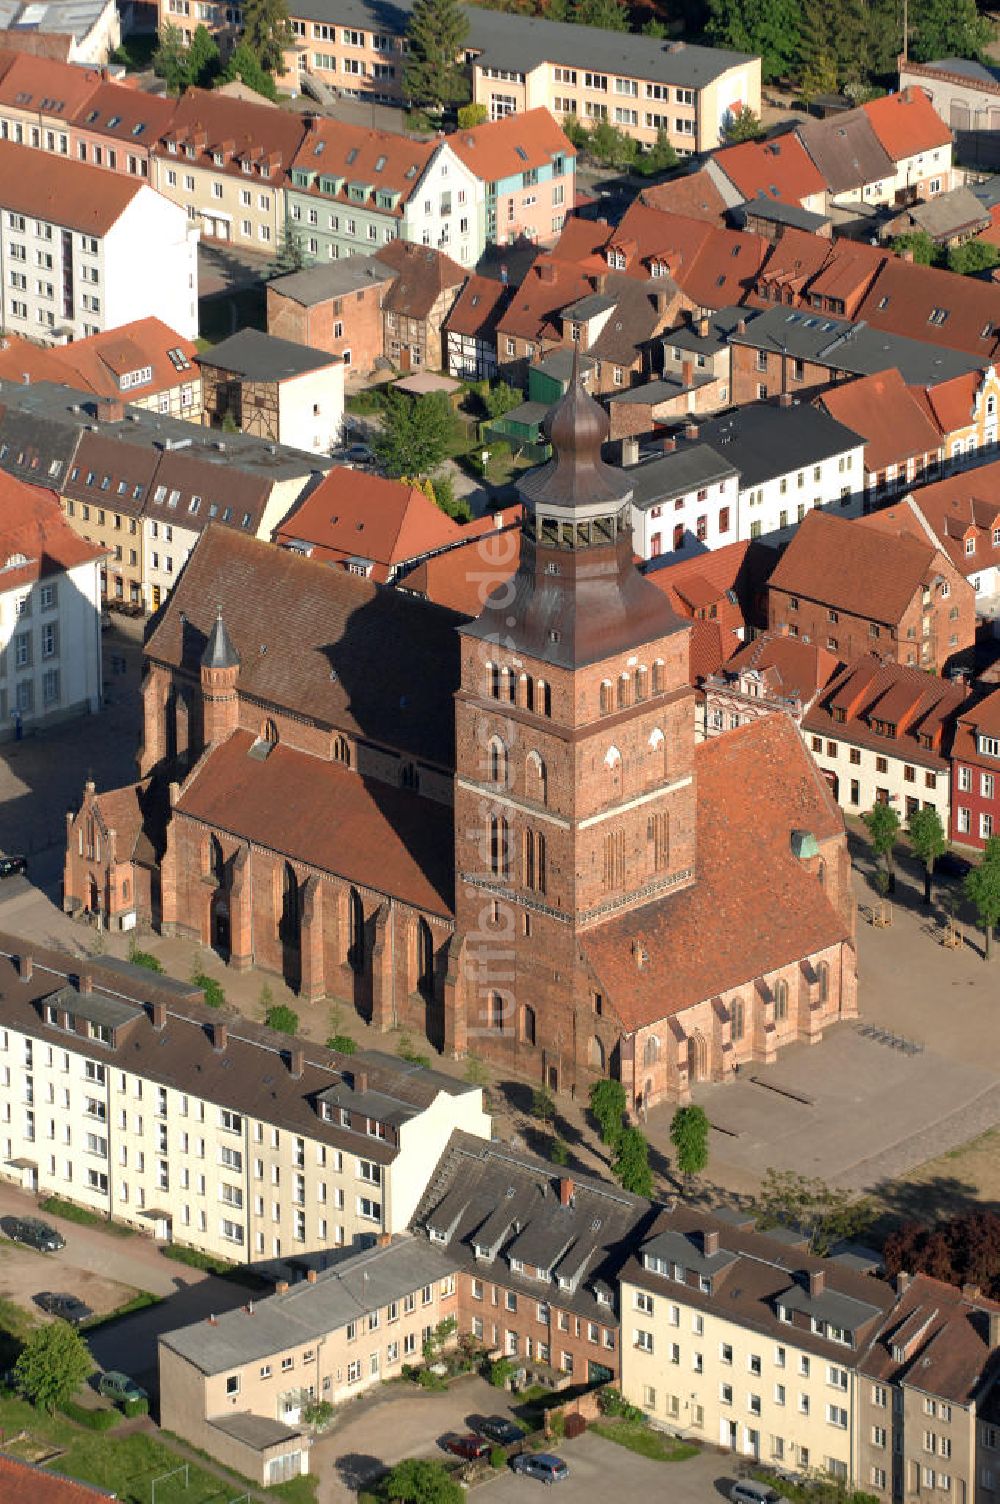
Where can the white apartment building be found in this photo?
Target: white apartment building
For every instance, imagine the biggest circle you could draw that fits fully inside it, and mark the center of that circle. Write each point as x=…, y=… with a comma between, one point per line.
x=684, y=502
x=136, y=1101
x=446, y=209
x=83, y=250
x=50, y=613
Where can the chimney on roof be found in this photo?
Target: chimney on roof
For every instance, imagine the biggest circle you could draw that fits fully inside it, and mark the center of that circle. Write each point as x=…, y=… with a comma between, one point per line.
x=903, y=1282
x=994, y=1330
x=669, y=445
x=546, y=271
x=785, y=400
x=220, y=1037
x=296, y=1062
x=690, y=429
x=687, y=372
x=159, y=1016
x=630, y=451
x=741, y=326
x=566, y=1190
x=970, y=1291
x=817, y=1281
x=25, y=966
x=26, y=377
x=311, y=1276
x=710, y=1242
x=703, y=325
x=111, y=410
x=281, y=1288
x=212, y=1321
x=85, y=984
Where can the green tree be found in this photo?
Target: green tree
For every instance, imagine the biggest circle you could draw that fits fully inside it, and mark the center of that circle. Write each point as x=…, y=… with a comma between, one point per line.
x=630, y=1166
x=435, y=39
x=203, y=62
x=543, y=1105
x=928, y=839
x=660, y=157
x=883, y=827
x=607, y=1104
x=825, y=1214
x=52, y=1365
x=434, y=1344
x=609, y=15
x=689, y=1136
x=982, y=889
x=416, y=434
x=421, y=1480
x=282, y=1018
x=769, y=27
x=611, y=146
x=245, y=66
x=291, y=253
x=656, y=29
x=973, y=256
x=471, y=115
x=501, y=399
x=267, y=32
x=742, y=125
x=947, y=28
x=918, y=243
x=558, y=1152
x=170, y=60
x=342, y=1043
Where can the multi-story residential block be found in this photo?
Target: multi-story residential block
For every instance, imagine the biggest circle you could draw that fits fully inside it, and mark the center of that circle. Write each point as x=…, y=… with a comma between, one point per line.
x=769, y=674
x=881, y=733
x=748, y=1342
x=337, y=308
x=224, y=162
x=144, y=487
x=237, y=1388
x=856, y=589
x=117, y=127
x=687, y=500
x=791, y=461
x=131, y=1098
x=927, y=1396
x=50, y=622
x=902, y=444
x=143, y=363
x=83, y=250
x=526, y=170
x=39, y=98
x=975, y=773
x=275, y=390
x=961, y=515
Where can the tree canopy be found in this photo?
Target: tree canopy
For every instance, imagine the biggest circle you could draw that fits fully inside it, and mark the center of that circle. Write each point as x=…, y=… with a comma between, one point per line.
x=982, y=889
x=825, y=1214
x=742, y=125
x=929, y=842
x=244, y=65
x=416, y=434
x=421, y=1480
x=52, y=1365
x=689, y=1136
x=959, y=1250
x=267, y=32
x=631, y=1163
x=180, y=65
x=947, y=28
x=435, y=38
x=607, y=1105
x=883, y=827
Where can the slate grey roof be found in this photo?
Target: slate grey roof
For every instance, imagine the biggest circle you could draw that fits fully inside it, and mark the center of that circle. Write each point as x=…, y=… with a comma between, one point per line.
x=96, y=1007
x=350, y=1289
x=846, y=150
x=987, y=193
x=75, y=18
x=219, y=651
x=781, y=214
x=263, y=357
x=721, y=325
x=830, y=1305
x=559, y=364
x=674, y=474
x=257, y=1431
x=857, y=348
x=977, y=72
x=506, y=1204
x=763, y=441
x=685, y=1249
x=651, y=393
x=948, y=214
x=332, y=279
x=588, y=307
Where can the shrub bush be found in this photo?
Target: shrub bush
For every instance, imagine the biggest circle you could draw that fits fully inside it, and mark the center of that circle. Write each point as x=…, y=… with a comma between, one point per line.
x=498, y=1458
x=613, y=1403
x=282, y=1018
x=212, y=991
x=94, y=1420
x=144, y=958
x=137, y=1406
x=342, y=1043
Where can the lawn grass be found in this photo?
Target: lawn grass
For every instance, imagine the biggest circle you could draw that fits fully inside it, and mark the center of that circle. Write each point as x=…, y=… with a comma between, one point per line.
x=127, y=1466
x=56, y=1206
x=138, y=1302
x=640, y=1438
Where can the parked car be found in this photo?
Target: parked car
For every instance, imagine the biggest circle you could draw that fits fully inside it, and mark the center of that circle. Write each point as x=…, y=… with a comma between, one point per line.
x=359, y=454
x=470, y=1447
x=501, y=1429
x=120, y=1388
x=542, y=1465
x=33, y=1232
x=11, y=866
x=65, y=1306
x=747, y=1491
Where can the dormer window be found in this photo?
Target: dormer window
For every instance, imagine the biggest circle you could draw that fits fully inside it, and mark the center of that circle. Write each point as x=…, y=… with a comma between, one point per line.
x=218, y=159
x=603, y=1298
x=679, y=1273
x=102, y=1034
x=516, y=1266
x=51, y=1013
x=345, y=1118
x=482, y=1252
x=785, y=1315
x=435, y=1236
x=704, y=1284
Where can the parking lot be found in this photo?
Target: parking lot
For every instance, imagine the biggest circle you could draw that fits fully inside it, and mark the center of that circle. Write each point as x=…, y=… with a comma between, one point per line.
x=598, y=1467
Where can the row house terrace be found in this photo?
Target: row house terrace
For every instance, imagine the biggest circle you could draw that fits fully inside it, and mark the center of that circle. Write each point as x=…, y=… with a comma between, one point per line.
x=767, y=675
x=962, y=517
x=144, y=363
x=881, y=733
x=975, y=773
x=133, y=1100
x=902, y=444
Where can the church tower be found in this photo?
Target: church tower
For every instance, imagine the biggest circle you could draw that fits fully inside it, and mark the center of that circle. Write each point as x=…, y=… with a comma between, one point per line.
x=220, y=666
x=574, y=795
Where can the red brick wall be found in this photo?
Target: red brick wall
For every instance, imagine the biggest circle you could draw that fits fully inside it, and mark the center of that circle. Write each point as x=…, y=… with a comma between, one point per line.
x=360, y=314
x=575, y=1340
x=747, y=378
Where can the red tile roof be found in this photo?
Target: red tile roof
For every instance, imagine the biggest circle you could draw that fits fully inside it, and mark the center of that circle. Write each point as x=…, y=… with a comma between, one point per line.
x=889, y=417
x=355, y=515
x=794, y=260
x=780, y=171
x=97, y=364
x=582, y=242
x=951, y=404
x=869, y=693
x=907, y=123
x=72, y=194
x=696, y=585
x=322, y=813
x=212, y=122
x=695, y=195
x=350, y=152
x=508, y=147
x=799, y=668
x=853, y=568
x=21, y=1481
x=755, y=786
x=964, y=506
x=26, y=81
x=708, y=648
x=422, y=275
x=118, y=111
x=32, y=525
x=462, y=578
x=549, y=286
x=478, y=307
x=715, y=268
x=931, y=304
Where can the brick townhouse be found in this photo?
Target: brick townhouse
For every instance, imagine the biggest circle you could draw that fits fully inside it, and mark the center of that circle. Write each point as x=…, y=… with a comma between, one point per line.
x=855, y=589
x=144, y=363
x=337, y=307
x=975, y=773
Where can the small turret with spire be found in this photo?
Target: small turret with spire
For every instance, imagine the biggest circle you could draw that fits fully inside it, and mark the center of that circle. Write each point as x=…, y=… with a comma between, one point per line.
x=220, y=666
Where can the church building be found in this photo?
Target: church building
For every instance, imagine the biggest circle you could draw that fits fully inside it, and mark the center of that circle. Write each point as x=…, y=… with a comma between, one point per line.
x=499, y=830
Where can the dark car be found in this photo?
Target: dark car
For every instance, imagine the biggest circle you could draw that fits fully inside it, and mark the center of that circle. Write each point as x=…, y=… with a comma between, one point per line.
x=500, y=1429
x=65, y=1306
x=470, y=1447
x=35, y=1233
x=541, y=1465
x=120, y=1388
x=12, y=866
x=359, y=454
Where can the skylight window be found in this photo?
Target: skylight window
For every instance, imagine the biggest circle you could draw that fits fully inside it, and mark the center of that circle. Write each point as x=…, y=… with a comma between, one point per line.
x=521, y=153
x=379, y=164
x=352, y=155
